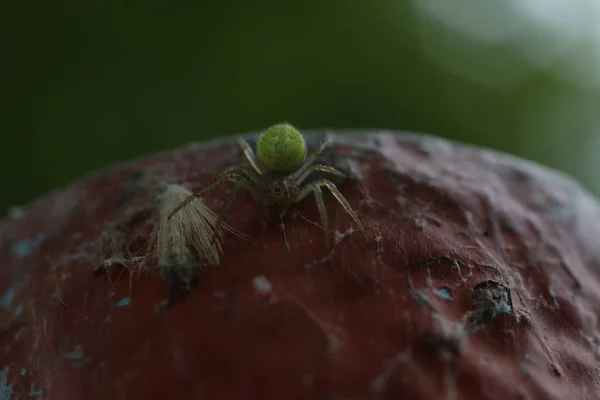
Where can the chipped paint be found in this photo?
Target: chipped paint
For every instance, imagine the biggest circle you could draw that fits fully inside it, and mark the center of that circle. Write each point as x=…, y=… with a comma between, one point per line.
x=76, y=354
x=77, y=358
x=19, y=333
x=24, y=248
x=262, y=284
x=124, y=302
x=8, y=297
x=80, y=364
x=33, y=391
x=444, y=292
x=6, y=390
x=23, y=371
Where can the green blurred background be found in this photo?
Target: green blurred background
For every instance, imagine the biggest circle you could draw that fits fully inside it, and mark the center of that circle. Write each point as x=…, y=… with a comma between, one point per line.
x=89, y=83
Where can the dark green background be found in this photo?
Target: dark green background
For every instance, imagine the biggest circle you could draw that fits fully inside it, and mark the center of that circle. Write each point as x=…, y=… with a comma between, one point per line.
x=88, y=83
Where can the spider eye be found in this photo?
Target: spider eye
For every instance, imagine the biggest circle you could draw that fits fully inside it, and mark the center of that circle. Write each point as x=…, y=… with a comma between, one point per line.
x=281, y=148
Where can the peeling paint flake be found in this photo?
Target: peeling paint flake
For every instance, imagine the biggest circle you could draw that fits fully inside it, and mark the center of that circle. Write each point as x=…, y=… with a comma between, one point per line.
x=6, y=390
x=24, y=248
x=262, y=284
x=19, y=333
x=7, y=298
x=33, y=391
x=76, y=354
x=80, y=364
x=444, y=292
x=124, y=302
x=77, y=358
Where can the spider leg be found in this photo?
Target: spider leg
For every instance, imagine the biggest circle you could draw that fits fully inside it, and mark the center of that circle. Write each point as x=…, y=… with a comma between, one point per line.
x=225, y=213
x=220, y=179
x=324, y=218
x=319, y=167
x=305, y=190
x=242, y=168
x=310, y=160
x=241, y=183
x=249, y=153
x=311, y=168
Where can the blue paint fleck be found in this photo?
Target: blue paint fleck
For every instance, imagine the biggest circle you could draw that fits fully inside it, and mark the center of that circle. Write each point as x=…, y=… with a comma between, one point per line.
x=24, y=248
x=76, y=354
x=125, y=301
x=18, y=310
x=77, y=358
x=19, y=333
x=23, y=371
x=527, y=356
x=6, y=390
x=34, y=392
x=79, y=364
x=7, y=298
x=444, y=292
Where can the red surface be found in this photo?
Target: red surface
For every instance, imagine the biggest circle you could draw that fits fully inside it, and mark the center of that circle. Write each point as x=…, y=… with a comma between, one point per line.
x=442, y=218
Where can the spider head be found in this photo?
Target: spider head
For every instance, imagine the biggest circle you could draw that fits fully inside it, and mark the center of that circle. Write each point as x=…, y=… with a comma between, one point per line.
x=281, y=148
x=279, y=191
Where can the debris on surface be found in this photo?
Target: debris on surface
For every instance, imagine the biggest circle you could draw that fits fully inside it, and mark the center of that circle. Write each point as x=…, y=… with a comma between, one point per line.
x=191, y=229
x=262, y=284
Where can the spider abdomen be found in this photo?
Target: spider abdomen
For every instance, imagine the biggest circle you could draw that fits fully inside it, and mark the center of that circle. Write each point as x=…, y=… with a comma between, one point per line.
x=281, y=148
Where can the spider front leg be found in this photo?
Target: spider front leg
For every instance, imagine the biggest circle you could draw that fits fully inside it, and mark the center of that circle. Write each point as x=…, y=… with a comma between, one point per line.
x=309, y=162
x=315, y=187
x=307, y=171
x=321, y=168
x=218, y=181
x=324, y=218
x=243, y=169
x=249, y=153
x=240, y=183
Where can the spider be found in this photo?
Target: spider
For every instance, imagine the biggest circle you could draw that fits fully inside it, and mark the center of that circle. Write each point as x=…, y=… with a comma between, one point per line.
x=276, y=175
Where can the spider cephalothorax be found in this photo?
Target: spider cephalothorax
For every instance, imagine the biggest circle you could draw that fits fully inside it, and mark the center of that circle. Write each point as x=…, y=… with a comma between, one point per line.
x=276, y=175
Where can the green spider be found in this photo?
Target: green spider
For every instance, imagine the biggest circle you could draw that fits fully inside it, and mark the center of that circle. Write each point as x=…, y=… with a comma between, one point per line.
x=276, y=175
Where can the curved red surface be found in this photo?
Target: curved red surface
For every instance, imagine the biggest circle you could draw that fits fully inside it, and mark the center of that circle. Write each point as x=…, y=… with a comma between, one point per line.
x=480, y=280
